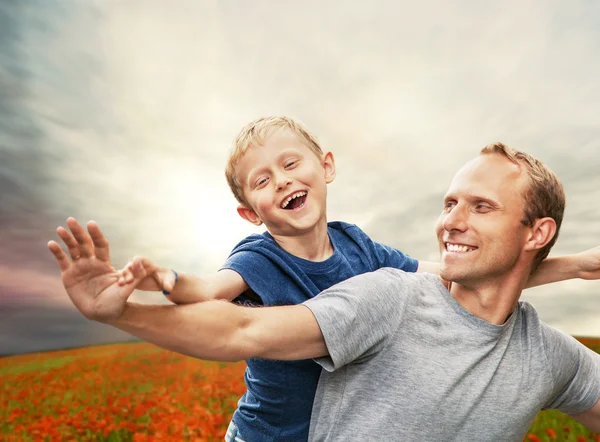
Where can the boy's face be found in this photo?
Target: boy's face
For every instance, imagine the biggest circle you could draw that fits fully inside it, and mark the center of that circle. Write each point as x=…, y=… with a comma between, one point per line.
x=285, y=184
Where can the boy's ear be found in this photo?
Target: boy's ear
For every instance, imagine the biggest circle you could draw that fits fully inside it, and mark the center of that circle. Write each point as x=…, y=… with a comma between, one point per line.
x=249, y=215
x=542, y=232
x=329, y=166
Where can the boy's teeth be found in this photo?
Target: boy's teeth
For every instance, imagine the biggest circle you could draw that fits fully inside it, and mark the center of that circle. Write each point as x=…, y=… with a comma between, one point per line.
x=287, y=200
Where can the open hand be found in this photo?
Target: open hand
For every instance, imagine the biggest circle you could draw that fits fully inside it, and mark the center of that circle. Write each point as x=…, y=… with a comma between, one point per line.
x=89, y=277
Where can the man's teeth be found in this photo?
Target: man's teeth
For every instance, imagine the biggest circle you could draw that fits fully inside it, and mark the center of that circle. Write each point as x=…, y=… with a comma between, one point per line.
x=287, y=200
x=458, y=248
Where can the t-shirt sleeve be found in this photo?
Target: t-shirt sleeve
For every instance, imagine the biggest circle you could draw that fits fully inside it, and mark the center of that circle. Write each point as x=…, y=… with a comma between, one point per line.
x=259, y=273
x=390, y=257
x=358, y=316
x=576, y=372
x=383, y=255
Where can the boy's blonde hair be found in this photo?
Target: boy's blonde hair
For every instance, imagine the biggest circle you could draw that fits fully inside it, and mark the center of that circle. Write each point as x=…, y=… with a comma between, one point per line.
x=544, y=197
x=256, y=133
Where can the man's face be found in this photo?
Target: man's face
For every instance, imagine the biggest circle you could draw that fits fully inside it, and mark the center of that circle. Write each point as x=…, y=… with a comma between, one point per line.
x=480, y=233
x=285, y=184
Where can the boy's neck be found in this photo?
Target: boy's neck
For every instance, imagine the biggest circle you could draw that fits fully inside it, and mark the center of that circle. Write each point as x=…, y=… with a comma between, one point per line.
x=313, y=245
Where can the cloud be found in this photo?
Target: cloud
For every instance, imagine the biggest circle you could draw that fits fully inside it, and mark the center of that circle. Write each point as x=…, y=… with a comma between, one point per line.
x=124, y=112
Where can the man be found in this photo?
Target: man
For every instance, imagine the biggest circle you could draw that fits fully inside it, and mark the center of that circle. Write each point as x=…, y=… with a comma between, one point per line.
x=404, y=358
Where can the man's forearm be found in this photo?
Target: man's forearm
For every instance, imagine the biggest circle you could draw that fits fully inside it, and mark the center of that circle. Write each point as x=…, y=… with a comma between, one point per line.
x=555, y=269
x=222, y=331
x=208, y=330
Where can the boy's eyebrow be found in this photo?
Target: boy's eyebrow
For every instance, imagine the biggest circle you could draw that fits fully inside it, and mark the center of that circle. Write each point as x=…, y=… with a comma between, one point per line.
x=278, y=158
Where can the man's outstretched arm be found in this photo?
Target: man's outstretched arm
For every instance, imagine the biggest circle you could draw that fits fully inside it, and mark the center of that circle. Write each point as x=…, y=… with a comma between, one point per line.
x=222, y=331
x=590, y=418
x=214, y=330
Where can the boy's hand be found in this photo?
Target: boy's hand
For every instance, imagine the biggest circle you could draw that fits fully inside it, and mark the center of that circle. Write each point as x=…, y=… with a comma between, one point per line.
x=157, y=279
x=588, y=263
x=89, y=277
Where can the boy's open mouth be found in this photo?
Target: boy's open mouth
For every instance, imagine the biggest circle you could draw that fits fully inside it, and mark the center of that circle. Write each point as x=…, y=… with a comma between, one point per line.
x=294, y=201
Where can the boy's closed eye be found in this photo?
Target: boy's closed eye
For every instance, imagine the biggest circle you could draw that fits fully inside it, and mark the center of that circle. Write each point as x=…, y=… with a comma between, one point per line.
x=261, y=182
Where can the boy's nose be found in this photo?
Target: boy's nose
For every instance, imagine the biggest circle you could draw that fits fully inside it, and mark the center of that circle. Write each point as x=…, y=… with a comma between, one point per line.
x=283, y=182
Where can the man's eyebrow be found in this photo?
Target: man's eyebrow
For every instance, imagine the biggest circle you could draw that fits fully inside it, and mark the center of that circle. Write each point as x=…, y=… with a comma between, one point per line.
x=473, y=198
x=489, y=200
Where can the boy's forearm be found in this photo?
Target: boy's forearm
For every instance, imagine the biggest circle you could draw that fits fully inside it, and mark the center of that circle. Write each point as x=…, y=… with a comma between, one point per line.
x=190, y=289
x=554, y=269
x=207, y=330
x=225, y=285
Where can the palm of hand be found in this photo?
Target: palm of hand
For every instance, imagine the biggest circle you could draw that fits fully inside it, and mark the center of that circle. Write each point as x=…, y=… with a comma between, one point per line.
x=92, y=286
x=89, y=277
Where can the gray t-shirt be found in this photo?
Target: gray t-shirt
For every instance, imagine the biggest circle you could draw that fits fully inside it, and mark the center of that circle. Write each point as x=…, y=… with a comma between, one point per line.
x=407, y=362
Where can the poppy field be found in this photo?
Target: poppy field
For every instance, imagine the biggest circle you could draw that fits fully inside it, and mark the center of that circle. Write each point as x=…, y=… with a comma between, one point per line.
x=138, y=392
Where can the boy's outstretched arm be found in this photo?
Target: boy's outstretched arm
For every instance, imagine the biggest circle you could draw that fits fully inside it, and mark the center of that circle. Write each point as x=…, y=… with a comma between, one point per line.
x=215, y=330
x=185, y=288
x=584, y=265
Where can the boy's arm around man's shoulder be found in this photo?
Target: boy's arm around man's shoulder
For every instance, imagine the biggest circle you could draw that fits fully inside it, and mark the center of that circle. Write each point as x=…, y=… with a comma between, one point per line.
x=584, y=265
x=221, y=331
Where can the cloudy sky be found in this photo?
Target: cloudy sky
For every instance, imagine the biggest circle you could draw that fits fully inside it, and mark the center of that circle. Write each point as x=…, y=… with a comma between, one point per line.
x=124, y=111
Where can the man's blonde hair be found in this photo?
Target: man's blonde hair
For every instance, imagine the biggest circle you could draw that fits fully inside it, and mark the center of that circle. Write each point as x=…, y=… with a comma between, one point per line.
x=256, y=133
x=544, y=197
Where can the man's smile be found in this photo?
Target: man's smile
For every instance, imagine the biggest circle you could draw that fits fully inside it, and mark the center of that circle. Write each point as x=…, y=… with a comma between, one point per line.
x=458, y=248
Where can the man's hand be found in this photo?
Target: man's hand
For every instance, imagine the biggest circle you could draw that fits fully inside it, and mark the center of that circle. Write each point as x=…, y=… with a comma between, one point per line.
x=158, y=278
x=89, y=277
x=588, y=263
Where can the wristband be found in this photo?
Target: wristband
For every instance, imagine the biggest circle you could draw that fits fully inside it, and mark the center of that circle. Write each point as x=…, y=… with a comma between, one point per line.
x=176, y=278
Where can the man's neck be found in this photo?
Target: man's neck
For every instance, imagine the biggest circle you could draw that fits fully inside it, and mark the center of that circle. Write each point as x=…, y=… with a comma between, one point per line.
x=492, y=300
x=313, y=245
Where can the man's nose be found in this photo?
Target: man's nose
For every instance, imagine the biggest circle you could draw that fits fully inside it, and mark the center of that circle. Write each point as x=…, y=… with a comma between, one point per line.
x=456, y=219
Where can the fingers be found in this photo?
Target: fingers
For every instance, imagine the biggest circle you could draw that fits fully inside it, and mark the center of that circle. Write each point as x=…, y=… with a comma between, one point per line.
x=60, y=255
x=99, y=241
x=70, y=242
x=137, y=268
x=86, y=246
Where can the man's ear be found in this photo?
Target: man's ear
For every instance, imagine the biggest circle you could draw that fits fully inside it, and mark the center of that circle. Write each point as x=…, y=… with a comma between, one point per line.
x=542, y=232
x=329, y=166
x=249, y=215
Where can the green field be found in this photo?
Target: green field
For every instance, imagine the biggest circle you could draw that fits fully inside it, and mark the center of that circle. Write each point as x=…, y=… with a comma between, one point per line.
x=138, y=392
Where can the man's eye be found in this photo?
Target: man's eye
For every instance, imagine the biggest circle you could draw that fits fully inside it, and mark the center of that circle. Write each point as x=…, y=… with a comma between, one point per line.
x=449, y=205
x=483, y=208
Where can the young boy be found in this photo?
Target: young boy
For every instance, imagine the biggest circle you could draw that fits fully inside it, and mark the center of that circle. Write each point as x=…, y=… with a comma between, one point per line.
x=279, y=175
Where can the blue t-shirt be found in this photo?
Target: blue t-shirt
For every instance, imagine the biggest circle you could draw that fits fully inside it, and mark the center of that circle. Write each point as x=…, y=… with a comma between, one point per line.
x=278, y=402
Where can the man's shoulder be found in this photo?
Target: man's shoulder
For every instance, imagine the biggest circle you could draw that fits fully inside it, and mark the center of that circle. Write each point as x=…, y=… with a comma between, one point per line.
x=536, y=328
x=408, y=280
